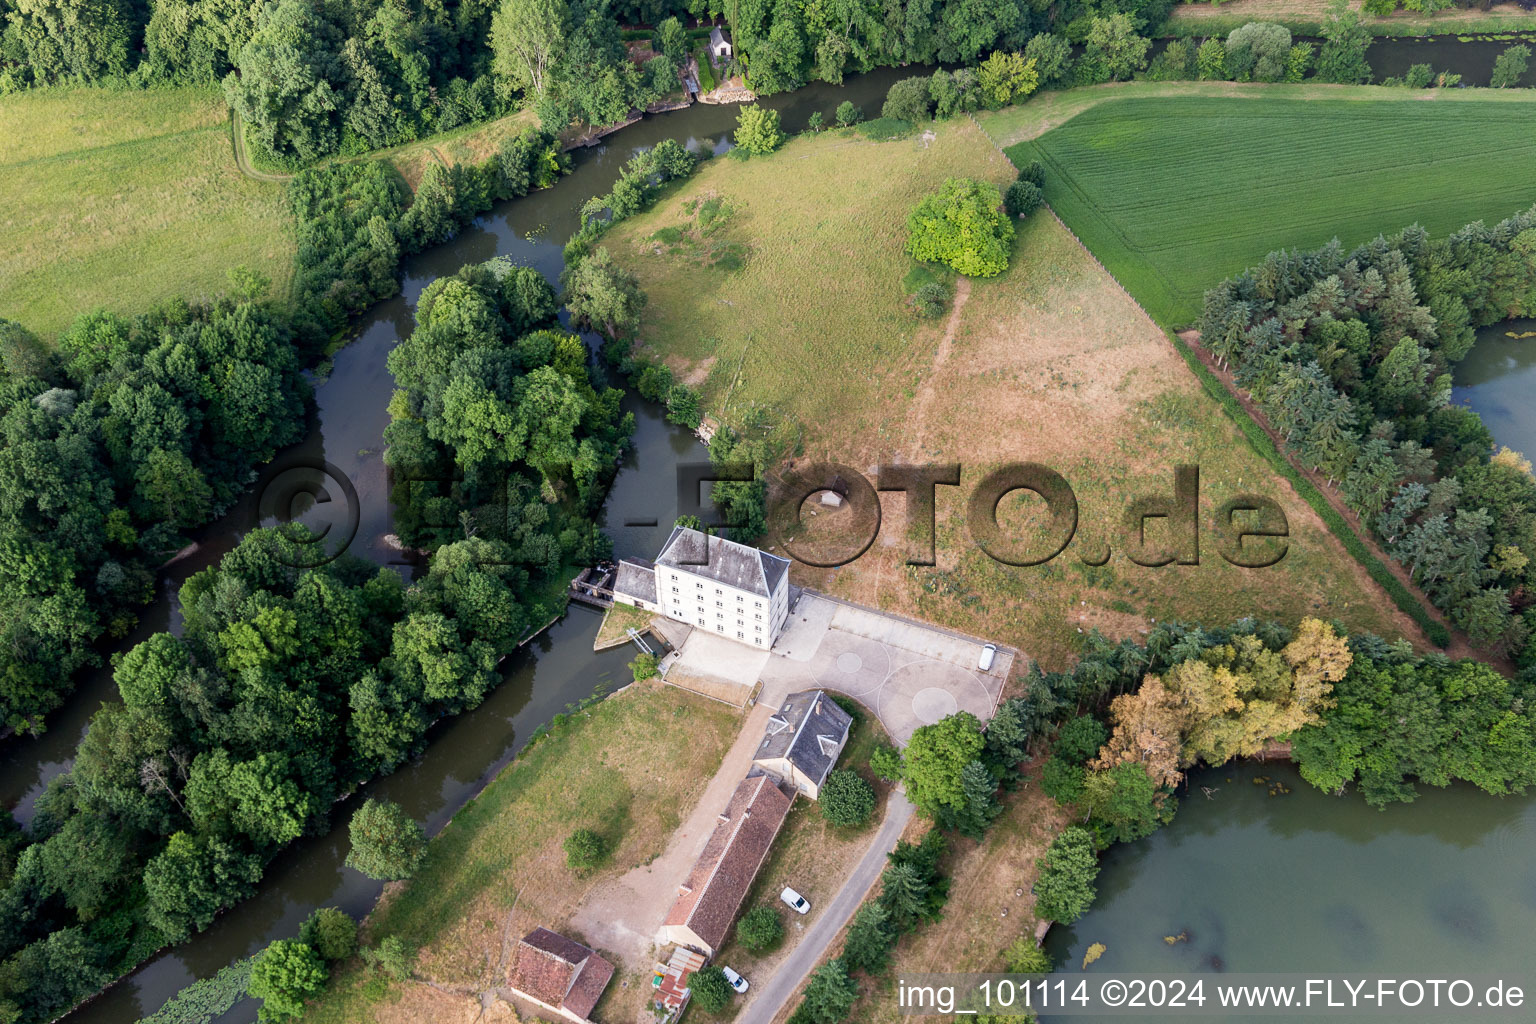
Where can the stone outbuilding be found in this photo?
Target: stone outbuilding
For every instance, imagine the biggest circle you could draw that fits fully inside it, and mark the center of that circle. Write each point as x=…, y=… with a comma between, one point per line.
x=559, y=974
x=711, y=896
x=720, y=48
x=803, y=739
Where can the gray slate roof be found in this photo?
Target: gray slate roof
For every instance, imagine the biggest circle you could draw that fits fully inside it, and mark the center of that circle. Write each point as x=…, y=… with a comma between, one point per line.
x=636, y=578
x=737, y=565
x=809, y=730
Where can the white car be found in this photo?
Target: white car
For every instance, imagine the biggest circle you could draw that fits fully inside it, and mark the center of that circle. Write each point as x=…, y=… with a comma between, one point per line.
x=737, y=981
x=988, y=652
x=799, y=904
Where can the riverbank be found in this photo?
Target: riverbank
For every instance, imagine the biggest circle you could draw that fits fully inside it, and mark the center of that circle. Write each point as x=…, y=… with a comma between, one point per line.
x=1436, y=888
x=1305, y=17
x=618, y=620
x=625, y=767
x=523, y=233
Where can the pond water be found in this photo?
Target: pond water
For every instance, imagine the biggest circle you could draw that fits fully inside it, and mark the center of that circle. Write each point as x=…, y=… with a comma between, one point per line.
x=1498, y=381
x=346, y=432
x=1307, y=882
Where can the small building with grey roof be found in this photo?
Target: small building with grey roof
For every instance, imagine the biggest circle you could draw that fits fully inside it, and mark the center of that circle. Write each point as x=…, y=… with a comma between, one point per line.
x=720, y=47
x=803, y=740
x=635, y=584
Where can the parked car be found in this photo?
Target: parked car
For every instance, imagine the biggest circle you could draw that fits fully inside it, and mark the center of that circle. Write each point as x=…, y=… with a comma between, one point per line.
x=988, y=652
x=737, y=981
x=799, y=904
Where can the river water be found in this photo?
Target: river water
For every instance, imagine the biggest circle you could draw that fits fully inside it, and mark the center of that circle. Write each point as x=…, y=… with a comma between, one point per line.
x=345, y=436
x=1306, y=882
x=1498, y=381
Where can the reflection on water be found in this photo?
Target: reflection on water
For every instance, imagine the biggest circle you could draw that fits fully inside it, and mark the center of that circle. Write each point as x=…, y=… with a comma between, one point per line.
x=559, y=667
x=1498, y=381
x=346, y=431
x=1307, y=882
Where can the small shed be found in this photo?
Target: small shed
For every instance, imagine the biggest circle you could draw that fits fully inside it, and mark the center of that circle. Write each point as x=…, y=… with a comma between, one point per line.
x=720, y=44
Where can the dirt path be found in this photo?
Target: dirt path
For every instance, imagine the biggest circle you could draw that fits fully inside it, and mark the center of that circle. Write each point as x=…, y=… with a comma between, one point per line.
x=623, y=916
x=1459, y=647
x=940, y=357
x=242, y=161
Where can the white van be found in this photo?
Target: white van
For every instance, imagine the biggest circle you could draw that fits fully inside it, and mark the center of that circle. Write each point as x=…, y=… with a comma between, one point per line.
x=988, y=652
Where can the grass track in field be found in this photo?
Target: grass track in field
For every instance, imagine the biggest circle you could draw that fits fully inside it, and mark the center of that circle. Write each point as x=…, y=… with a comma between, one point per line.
x=124, y=198
x=1176, y=193
x=1050, y=361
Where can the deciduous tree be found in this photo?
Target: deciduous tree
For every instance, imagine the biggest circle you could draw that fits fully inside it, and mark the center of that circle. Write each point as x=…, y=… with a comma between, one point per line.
x=963, y=226
x=935, y=761
x=387, y=843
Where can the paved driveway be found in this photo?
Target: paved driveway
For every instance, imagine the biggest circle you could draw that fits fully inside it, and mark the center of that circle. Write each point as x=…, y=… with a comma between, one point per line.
x=908, y=673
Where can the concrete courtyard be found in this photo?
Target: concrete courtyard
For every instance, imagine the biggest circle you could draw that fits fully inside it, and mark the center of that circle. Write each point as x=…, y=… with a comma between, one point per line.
x=908, y=673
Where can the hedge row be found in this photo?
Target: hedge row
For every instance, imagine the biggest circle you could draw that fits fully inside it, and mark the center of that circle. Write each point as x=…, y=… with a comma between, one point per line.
x=1401, y=595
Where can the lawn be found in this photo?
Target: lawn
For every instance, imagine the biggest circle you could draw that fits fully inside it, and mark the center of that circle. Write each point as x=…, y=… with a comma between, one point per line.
x=122, y=198
x=1050, y=362
x=630, y=767
x=472, y=144
x=1177, y=192
x=617, y=621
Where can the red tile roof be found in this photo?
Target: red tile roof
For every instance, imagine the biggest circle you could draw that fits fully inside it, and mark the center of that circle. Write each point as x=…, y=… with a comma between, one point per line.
x=558, y=971
x=708, y=901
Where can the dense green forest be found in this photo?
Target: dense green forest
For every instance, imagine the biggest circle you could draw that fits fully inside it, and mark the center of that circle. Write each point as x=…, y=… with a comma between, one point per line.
x=1350, y=356
x=134, y=431
x=291, y=686
x=1359, y=712
x=312, y=78
x=496, y=427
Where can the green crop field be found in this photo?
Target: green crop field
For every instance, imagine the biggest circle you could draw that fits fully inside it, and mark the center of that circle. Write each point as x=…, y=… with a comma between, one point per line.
x=1176, y=193
x=121, y=198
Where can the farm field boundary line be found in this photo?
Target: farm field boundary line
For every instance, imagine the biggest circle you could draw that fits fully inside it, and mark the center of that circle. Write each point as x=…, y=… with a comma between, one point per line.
x=1389, y=573
x=1132, y=178
x=1047, y=110
x=1259, y=438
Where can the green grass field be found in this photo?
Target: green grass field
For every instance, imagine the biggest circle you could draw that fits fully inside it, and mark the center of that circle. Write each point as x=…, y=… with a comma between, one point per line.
x=123, y=198
x=1175, y=193
x=777, y=287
